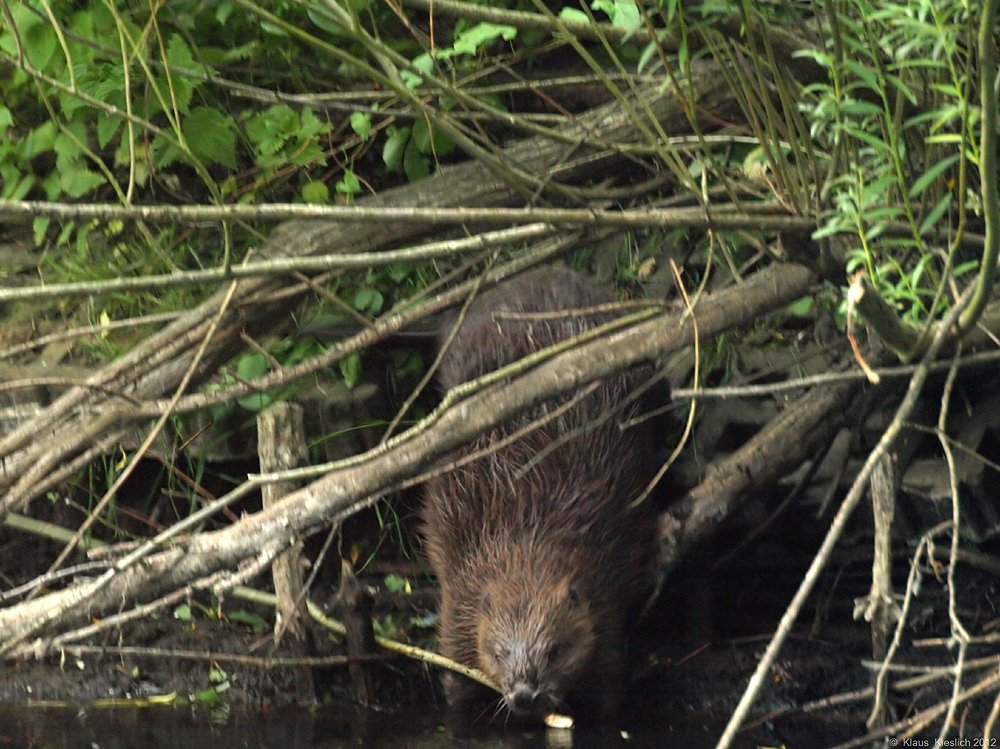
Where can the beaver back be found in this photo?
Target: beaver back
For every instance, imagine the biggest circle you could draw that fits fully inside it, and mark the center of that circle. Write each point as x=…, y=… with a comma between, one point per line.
x=536, y=545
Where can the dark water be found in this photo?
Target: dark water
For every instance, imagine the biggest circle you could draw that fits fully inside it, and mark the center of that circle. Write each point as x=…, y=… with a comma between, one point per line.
x=182, y=728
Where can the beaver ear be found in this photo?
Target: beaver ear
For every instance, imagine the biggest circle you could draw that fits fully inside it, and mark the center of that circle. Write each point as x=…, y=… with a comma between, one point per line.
x=573, y=597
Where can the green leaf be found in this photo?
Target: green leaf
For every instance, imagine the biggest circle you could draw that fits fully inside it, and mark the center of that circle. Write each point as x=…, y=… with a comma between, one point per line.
x=15, y=185
x=860, y=108
x=399, y=272
x=315, y=192
x=835, y=225
x=649, y=52
x=254, y=621
x=179, y=56
x=867, y=75
x=207, y=696
x=966, y=267
x=256, y=402
x=67, y=148
x=165, y=152
x=413, y=162
x=349, y=185
x=38, y=39
x=40, y=225
x=223, y=10
x=442, y=144
x=931, y=219
x=876, y=143
x=573, y=15
x=107, y=128
x=361, y=124
x=469, y=41
x=216, y=56
x=397, y=584
x=273, y=29
x=820, y=58
x=955, y=138
x=424, y=64
x=82, y=237
x=102, y=81
x=323, y=21
x=270, y=130
x=898, y=83
x=350, y=370
x=947, y=112
x=932, y=174
x=251, y=367
x=309, y=125
x=395, y=147
x=801, y=307
x=308, y=155
x=183, y=612
x=605, y=6
x=79, y=181
x=874, y=192
x=369, y=300
x=211, y=136
x=6, y=120
x=626, y=17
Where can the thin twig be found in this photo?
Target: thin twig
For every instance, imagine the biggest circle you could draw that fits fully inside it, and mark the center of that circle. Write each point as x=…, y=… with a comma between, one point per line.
x=745, y=391
x=958, y=632
x=280, y=266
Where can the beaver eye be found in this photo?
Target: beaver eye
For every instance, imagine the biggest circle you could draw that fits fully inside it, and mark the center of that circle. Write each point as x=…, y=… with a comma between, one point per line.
x=499, y=652
x=554, y=652
x=574, y=597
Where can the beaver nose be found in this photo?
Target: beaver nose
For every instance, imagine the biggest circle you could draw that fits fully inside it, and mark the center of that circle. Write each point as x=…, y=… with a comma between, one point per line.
x=523, y=698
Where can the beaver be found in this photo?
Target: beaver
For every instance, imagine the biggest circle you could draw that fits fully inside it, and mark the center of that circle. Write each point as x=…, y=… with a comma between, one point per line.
x=540, y=554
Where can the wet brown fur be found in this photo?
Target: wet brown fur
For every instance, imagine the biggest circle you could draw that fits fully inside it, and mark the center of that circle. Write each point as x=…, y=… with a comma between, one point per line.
x=538, y=572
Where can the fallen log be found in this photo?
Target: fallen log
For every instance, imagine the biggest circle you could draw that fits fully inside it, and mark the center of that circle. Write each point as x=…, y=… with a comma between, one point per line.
x=251, y=543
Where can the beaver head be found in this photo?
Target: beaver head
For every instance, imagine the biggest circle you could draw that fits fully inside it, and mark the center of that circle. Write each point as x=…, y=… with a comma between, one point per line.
x=534, y=642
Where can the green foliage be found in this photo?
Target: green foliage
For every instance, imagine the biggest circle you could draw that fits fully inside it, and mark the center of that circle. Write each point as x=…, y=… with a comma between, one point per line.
x=280, y=135
x=397, y=584
x=898, y=114
x=317, y=193
x=624, y=14
x=389, y=626
x=801, y=307
x=369, y=300
x=250, y=367
x=361, y=124
x=409, y=148
x=64, y=131
x=183, y=613
x=467, y=41
x=350, y=369
x=472, y=40
x=254, y=622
